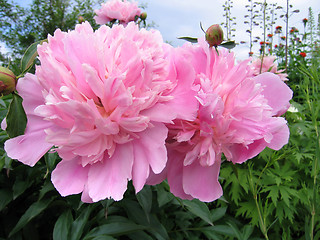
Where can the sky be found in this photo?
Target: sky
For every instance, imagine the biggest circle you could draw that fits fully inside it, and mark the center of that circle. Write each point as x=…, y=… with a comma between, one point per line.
x=178, y=18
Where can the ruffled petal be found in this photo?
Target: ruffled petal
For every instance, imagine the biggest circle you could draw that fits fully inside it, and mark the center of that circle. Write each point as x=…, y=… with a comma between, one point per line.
x=275, y=91
x=31, y=146
x=69, y=177
x=202, y=182
x=109, y=178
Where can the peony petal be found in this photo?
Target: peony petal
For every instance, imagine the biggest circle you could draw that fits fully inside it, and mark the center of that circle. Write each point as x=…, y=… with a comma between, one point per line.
x=202, y=182
x=69, y=177
x=140, y=169
x=153, y=139
x=149, y=151
x=28, y=148
x=175, y=170
x=109, y=179
x=30, y=90
x=280, y=134
x=275, y=91
x=242, y=153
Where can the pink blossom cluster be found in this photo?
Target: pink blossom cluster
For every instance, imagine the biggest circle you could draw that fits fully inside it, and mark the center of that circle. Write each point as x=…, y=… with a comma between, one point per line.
x=268, y=65
x=121, y=10
x=118, y=104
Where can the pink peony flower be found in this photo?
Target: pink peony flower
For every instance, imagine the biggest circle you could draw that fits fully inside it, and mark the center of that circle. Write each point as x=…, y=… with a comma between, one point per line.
x=236, y=116
x=102, y=99
x=124, y=11
x=268, y=65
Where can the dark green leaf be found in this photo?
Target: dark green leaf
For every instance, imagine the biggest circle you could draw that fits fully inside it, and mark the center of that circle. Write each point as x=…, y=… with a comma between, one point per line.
x=47, y=187
x=5, y=198
x=199, y=209
x=221, y=229
x=2, y=104
x=228, y=45
x=103, y=237
x=19, y=187
x=114, y=229
x=34, y=210
x=140, y=235
x=16, y=117
x=80, y=222
x=163, y=196
x=29, y=56
x=247, y=231
x=189, y=39
x=145, y=199
x=61, y=229
x=218, y=213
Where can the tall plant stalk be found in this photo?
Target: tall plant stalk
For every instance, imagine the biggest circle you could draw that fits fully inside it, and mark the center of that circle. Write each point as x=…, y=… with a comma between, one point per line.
x=287, y=30
x=264, y=33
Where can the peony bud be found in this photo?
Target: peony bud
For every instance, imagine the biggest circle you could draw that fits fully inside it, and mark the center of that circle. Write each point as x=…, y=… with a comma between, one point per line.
x=214, y=35
x=81, y=19
x=143, y=16
x=7, y=81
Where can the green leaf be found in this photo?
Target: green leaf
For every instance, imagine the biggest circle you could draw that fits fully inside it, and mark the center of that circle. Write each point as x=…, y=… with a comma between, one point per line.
x=47, y=187
x=145, y=199
x=189, y=39
x=220, y=229
x=114, y=229
x=19, y=187
x=163, y=196
x=228, y=45
x=16, y=117
x=29, y=56
x=218, y=213
x=235, y=229
x=61, y=229
x=34, y=210
x=199, y=209
x=247, y=231
x=2, y=104
x=80, y=222
x=5, y=198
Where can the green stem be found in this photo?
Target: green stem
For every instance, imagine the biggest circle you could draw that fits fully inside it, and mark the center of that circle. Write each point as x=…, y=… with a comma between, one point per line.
x=316, y=161
x=264, y=34
x=255, y=197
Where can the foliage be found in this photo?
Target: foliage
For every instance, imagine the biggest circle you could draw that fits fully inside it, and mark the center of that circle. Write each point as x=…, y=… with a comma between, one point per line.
x=20, y=27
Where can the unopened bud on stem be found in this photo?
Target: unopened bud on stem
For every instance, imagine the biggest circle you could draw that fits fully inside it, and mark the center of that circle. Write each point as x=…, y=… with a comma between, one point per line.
x=214, y=35
x=143, y=16
x=7, y=81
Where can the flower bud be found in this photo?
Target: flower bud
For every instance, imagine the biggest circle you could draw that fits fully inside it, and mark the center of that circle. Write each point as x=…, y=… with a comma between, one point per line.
x=7, y=81
x=143, y=16
x=214, y=35
x=81, y=19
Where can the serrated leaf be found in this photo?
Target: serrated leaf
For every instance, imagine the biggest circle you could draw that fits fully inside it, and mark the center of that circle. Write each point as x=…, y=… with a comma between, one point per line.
x=29, y=56
x=34, y=210
x=16, y=117
x=114, y=229
x=199, y=209
x=62, y=226
x=189, y=39
x=228, y=45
